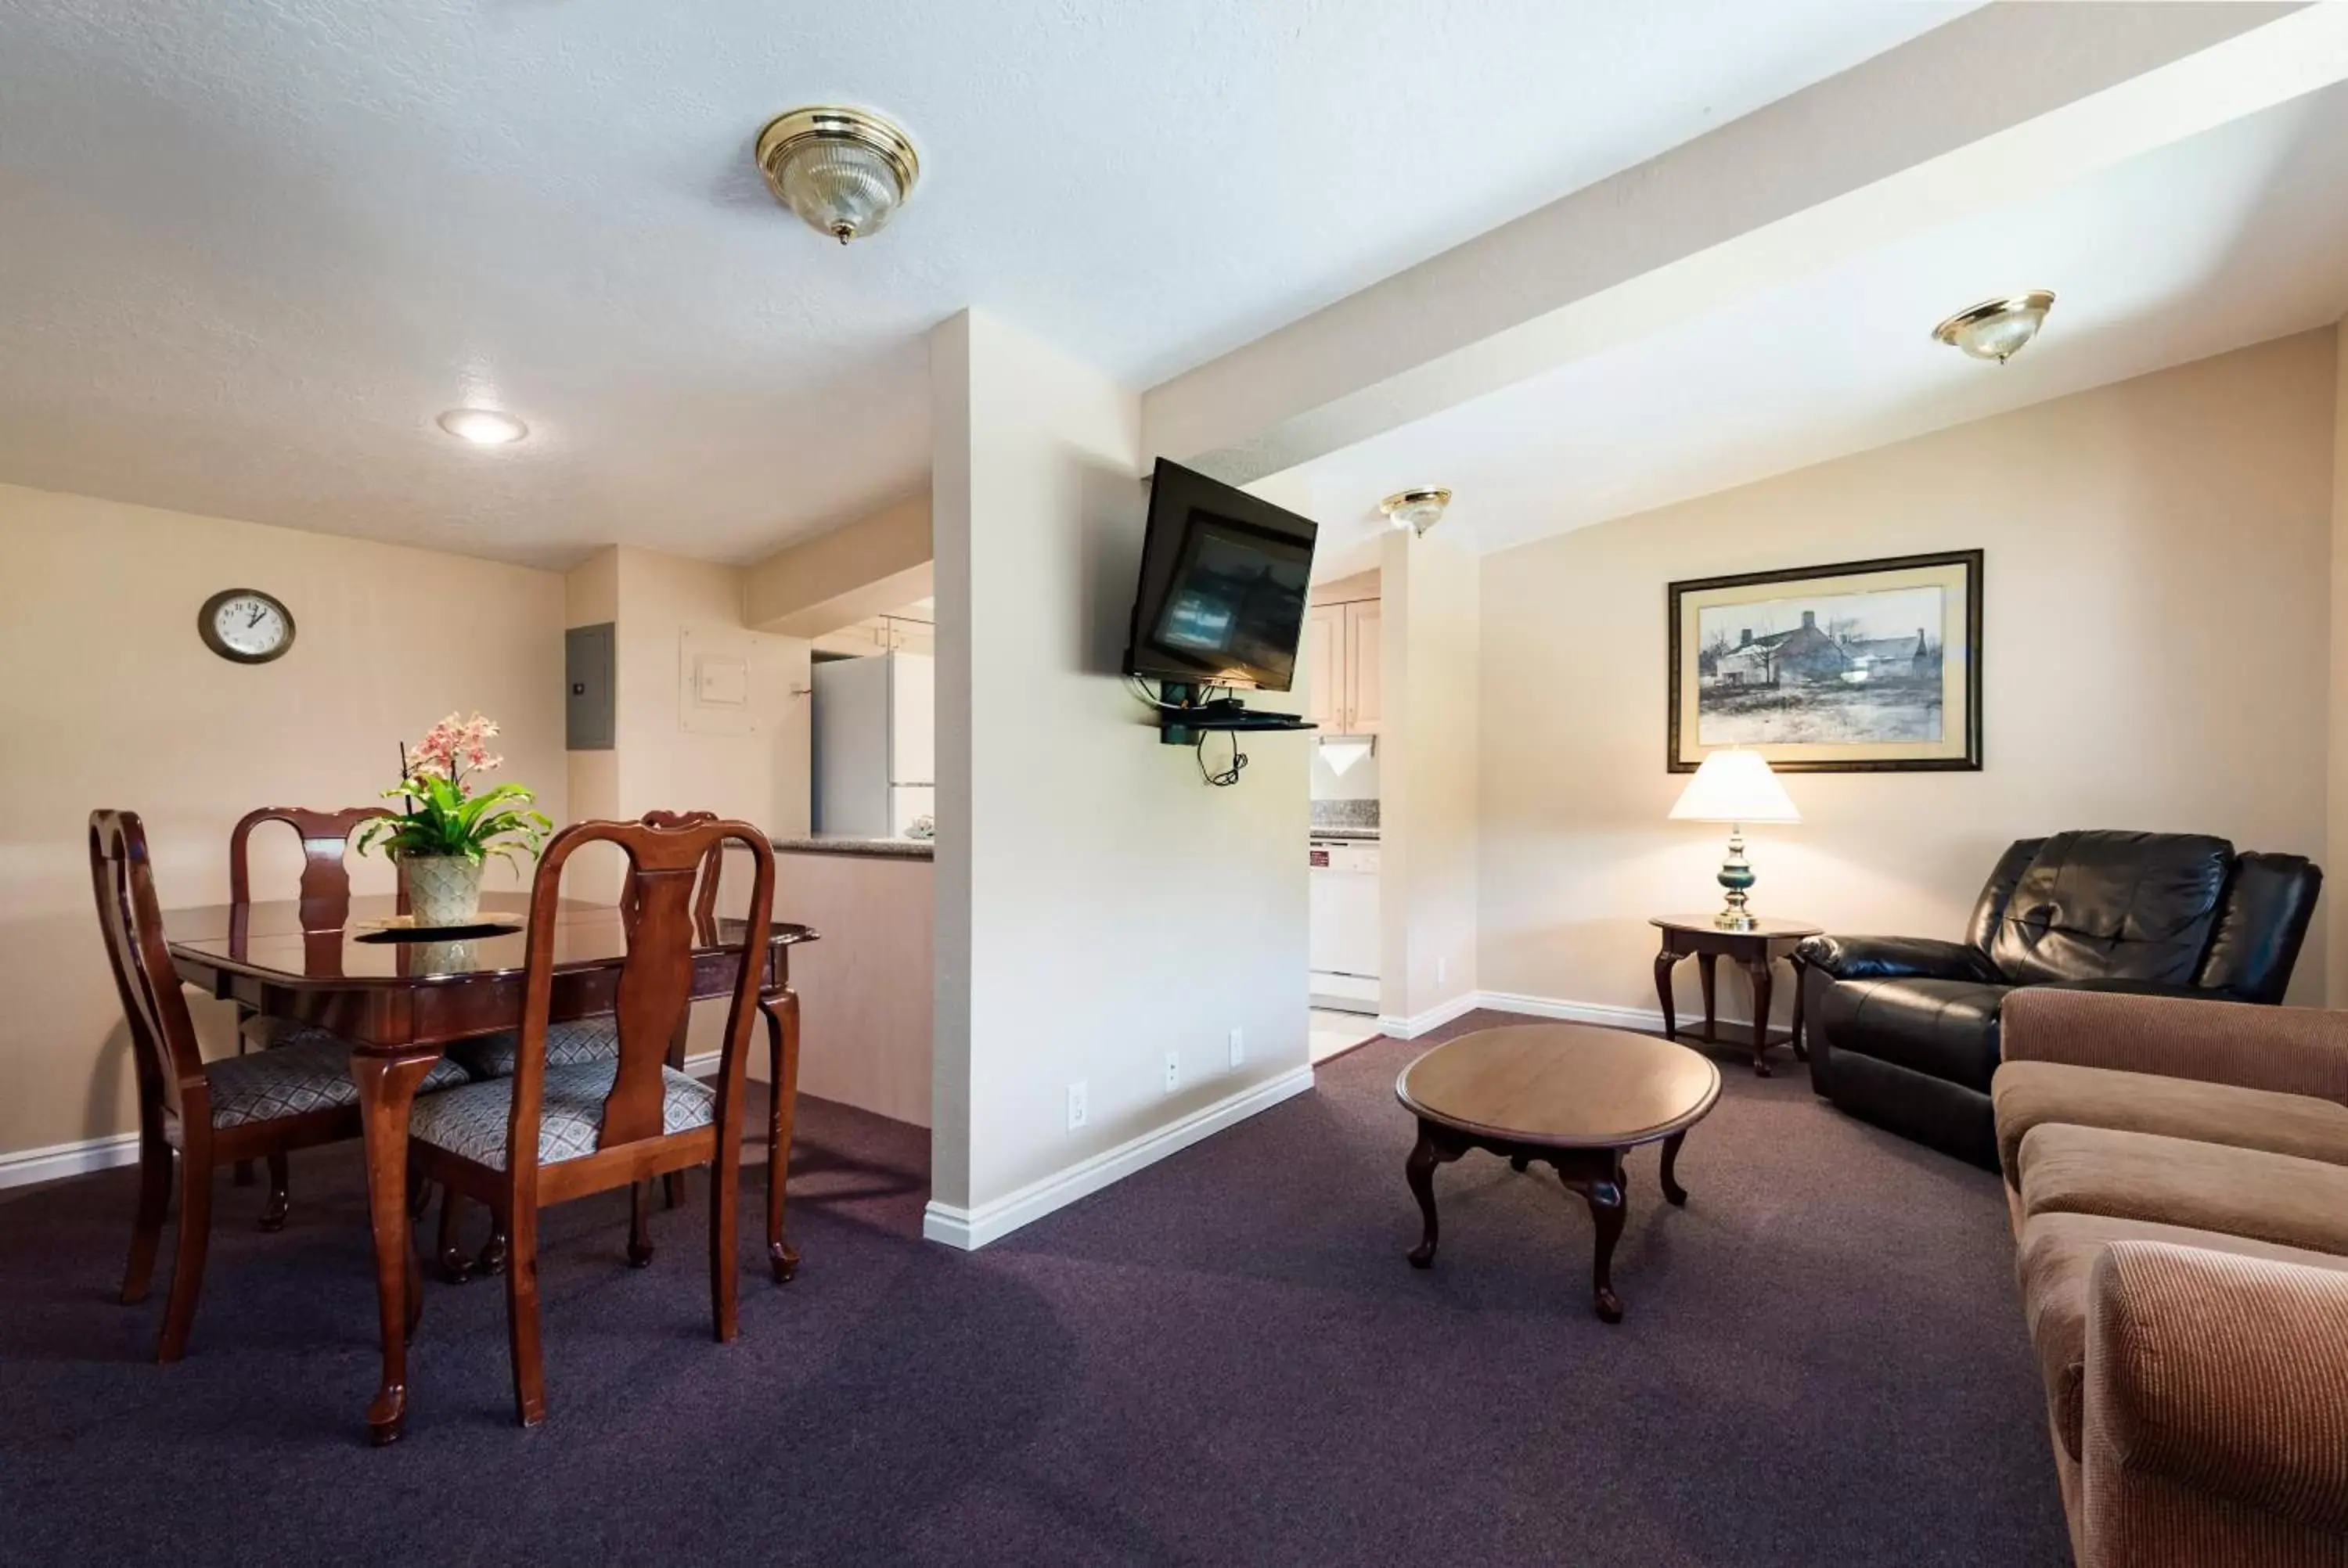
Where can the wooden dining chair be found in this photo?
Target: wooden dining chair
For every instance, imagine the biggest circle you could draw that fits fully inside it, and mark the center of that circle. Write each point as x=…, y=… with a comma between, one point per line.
x=325, y=906
x=549, y=1134
x=239, y=1107
x=581, y=1039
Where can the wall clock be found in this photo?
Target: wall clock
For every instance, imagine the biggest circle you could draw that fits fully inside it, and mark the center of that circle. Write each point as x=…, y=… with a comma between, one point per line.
x=245, y=625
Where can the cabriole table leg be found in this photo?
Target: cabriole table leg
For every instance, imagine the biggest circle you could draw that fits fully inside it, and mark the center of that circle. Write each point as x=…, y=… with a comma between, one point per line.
x=1601, y=1187
x=1433, y=1149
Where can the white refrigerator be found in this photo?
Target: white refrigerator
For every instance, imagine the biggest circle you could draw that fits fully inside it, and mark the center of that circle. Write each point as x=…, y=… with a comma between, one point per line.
x=875, y=745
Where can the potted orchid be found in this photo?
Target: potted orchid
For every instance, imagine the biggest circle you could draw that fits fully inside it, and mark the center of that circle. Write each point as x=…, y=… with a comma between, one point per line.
x=445, y=833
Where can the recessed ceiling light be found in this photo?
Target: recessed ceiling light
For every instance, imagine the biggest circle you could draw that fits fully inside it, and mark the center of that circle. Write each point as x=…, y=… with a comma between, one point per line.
x=1419, y=509
x=483, y=426
x=1997, y=329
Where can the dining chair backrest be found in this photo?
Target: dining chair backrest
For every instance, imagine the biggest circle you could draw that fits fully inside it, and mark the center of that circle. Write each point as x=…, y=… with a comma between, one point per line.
x=326, y=840
x=666, y=855
x=163, y=1044
x=704, y=894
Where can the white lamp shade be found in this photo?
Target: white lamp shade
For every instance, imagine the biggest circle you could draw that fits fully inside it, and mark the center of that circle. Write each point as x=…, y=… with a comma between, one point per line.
x=1735, y=786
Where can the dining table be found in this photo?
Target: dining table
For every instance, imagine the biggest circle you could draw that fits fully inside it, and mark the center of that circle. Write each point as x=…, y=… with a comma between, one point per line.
x=401, y=997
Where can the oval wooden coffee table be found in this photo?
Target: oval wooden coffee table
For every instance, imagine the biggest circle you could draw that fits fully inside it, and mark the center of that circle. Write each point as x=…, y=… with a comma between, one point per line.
x=1571, y=1095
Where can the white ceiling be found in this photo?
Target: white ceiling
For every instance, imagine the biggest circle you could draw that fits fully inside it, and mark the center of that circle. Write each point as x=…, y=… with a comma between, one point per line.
x=251, y=249
x=2230, y=238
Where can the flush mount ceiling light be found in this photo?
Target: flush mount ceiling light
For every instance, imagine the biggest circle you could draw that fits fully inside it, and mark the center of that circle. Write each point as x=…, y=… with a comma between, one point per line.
x=1997, y=329
x=483, y=426
x=1418, y=510
x=845, y=171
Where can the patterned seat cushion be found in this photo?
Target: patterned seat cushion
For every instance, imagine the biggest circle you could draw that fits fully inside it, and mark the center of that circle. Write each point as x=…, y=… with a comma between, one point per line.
x=471, y=1122
x=568, y=1044
x=313, y=1074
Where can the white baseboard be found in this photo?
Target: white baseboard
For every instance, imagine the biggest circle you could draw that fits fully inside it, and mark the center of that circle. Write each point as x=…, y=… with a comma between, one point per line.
x=1649, y=1019
x=1434, y=1018
x=971, y=1229
x=704, y=1065
x=58, y=1161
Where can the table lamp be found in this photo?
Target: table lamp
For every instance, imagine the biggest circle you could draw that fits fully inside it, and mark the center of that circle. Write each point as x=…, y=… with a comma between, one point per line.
x=1735, y=787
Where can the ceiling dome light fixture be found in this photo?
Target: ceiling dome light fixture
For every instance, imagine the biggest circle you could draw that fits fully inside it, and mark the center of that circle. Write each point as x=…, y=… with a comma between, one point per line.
x=1418, y=510
x=483, y=426
x=845, y=171
x=1997, y=329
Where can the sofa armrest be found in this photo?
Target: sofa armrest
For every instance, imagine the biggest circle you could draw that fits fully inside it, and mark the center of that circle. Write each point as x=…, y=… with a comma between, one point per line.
x=2290, y=1051
x=1896, y=958
x=2214, y=1387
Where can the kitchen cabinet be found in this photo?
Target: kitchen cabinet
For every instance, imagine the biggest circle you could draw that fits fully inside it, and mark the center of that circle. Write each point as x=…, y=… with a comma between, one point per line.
x=1324, y=656
x=1365, y=665
x=1345, y=697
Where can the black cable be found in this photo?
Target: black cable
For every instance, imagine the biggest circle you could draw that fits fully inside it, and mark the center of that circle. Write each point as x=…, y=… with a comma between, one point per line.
x=1229, y=775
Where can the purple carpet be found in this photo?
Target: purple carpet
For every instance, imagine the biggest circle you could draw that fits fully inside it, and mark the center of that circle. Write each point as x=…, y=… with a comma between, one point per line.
x=1222, y=1359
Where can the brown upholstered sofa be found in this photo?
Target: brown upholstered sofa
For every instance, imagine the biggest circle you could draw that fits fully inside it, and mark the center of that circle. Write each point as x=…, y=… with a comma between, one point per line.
x=2177, y=1173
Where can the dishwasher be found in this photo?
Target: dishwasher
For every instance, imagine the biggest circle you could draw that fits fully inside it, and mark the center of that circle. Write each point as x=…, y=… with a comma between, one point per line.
x=1344, y=937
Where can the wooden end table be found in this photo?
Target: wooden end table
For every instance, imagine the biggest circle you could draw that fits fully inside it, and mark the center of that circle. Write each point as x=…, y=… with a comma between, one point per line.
x=1753, y=951
x=1574, y=1096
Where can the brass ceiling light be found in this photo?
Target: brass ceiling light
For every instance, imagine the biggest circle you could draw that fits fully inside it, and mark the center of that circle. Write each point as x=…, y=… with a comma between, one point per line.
x=1997, y=329
x=843, y=171
x=1418, y=510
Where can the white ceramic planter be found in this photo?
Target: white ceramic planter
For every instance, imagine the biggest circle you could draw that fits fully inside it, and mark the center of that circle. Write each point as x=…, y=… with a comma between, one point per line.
x=442, y=890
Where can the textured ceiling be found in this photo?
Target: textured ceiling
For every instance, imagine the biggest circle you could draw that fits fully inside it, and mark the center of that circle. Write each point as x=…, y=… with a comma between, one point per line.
x=253, y=248
x=2230, y=238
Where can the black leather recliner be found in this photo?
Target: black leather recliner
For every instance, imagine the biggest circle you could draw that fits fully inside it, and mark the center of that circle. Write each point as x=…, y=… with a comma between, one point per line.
x=1903, y=1031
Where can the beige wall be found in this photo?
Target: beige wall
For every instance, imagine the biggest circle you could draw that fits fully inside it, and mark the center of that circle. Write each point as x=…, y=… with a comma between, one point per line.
x=111, y=701
x=591, y=597
x=2336, y=948
x=871, y=566
x=1099, y=905
x=667, y=757
x=666, y=763
x=2157, y=647
x=864, y=988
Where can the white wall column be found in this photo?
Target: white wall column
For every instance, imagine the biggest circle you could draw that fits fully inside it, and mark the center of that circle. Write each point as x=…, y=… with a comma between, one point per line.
x=1429, y=738
x=1100, y=905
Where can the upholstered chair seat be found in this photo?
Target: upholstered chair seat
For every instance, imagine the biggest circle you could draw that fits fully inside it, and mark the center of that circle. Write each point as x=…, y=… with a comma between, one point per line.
x=295, y=1080
x=472, y=1121
x=571, y=1044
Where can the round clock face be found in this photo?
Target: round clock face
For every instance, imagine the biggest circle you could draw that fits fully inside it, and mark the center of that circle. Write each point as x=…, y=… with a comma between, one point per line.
x=246, y=625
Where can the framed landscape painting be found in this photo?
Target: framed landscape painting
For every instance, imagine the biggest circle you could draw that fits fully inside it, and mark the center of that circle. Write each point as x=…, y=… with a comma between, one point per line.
x=1867, y=667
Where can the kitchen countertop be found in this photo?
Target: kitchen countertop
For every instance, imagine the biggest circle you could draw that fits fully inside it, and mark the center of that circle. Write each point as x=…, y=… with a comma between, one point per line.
x=1357, y=834
x=879, y=848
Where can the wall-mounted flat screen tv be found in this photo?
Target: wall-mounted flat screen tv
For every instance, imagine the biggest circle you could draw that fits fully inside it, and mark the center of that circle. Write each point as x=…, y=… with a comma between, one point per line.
x=1224, y=578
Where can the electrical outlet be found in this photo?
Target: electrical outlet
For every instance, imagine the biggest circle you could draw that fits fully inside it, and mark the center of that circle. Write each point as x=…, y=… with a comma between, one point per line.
x=1077, y=1113
x=1442, y=970
x=1239, y=1048
x=1173, y=1071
